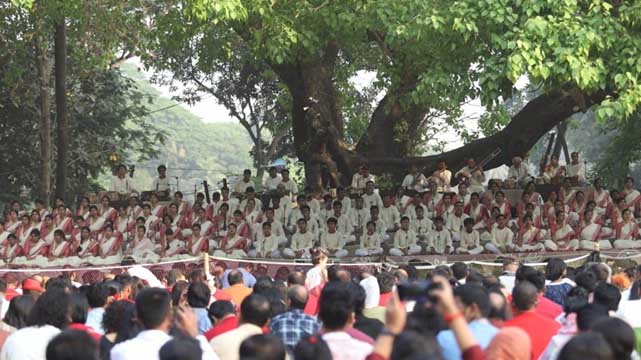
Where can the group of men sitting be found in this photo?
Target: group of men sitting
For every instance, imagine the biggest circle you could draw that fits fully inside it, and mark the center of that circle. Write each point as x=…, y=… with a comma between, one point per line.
x=425, y=216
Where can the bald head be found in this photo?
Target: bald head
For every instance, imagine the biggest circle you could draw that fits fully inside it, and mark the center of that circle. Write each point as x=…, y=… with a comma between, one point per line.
x=524, y=296
x=297, y=296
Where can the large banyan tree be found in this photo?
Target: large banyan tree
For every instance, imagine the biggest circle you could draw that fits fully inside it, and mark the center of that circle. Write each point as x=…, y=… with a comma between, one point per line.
x=430, y=57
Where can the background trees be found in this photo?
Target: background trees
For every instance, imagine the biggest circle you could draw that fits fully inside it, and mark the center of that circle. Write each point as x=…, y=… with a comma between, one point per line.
x=429, y=57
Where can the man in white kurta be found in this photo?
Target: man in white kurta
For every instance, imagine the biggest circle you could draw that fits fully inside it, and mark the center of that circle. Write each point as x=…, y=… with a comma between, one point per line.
x=121, y=183
x=361, y=178
x=470, y=239
x=246, y=182
x=518, y=171
x=454, y=222
x=414, y=181
x=272, y=180
x=302, y=241
x=371, y=198
x=266, y=244
x=440, y=239
x=405, y=240
x=474, y=175
x=502, y=237
x=370, y=242
x=422, y=226
x=332, y=240
x=390, y=214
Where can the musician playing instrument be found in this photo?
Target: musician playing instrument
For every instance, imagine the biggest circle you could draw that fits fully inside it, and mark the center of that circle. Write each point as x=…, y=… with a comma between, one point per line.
x=161, y=182
x=473, y=174
x=442, y=176
x=553, y=171
x=414, y=180
x=121, y=183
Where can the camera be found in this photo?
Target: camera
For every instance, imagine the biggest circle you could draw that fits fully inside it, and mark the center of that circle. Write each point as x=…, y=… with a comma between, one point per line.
x=418, y=291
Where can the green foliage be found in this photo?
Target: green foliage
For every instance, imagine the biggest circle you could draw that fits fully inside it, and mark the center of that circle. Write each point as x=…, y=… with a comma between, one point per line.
x=193, y=151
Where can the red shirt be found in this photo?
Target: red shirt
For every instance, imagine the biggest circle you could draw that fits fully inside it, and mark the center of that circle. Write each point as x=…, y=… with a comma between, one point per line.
x=545, y=307
x=385, y=298
x=539, y=328
x=228, y=323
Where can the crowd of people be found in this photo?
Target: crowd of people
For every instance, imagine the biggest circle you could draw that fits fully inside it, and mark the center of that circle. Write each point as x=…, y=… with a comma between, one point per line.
x=326, y=312
x=425, y=215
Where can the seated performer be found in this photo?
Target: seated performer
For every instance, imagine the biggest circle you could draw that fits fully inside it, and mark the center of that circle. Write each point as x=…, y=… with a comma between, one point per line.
x=361, y=178
x=121, y=183
x=562, y=235
x=222, y=220
x=501, y=237
x=535, y=197
x=504, y=205
x=405, y=240
x=440, y=239
x=141, y=246
x=302, y=241
x=422, y=226
x=272, y=180
x=341, y=195
x=472, y=174
x=627, y=232
x=518, y=171
x=442, y=176
x=370, y=242
x=106, y=211
x=312, y=221
x=332, y=240
x=232, y=245
x=577, y=206
x=161, y=182
x=529, y=238
x=454, y=222
x=631, y=195
x=445, y=207
x=83, y=207
x=296, y=213
x=290, y=186
x=86, y=245
x=12, y=249
x=600, y=196
x=276, y=226
x=344, y=225
x=370, y=198
x=576, y=169
x=553, y=171
x=251, y=212
x=170, y=245
x=60, y=247
x=566, y=193
x=414, y=181
x=266, y=244
x=196, y=242
x=592, y=234
x=110, y=244
x=470, y=239
x=359, y=215
x=23, y=231
x=35, y=246
x=47, y=228
x=380, y=224
x=390, y=214
x=242, y=228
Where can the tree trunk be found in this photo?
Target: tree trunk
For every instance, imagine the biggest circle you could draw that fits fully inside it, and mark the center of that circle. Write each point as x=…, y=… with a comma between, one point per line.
x=537, y=118
x=61, y=108
x=560, y=139
x=381, y=138
x=42, y=65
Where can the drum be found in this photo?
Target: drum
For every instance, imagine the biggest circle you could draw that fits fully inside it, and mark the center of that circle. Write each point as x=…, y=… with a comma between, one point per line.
x=509, y=184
